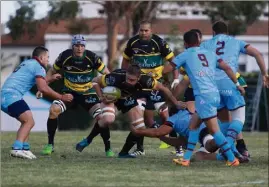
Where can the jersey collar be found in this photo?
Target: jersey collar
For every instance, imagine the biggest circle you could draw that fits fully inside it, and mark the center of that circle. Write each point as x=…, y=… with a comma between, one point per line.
x=39, y=62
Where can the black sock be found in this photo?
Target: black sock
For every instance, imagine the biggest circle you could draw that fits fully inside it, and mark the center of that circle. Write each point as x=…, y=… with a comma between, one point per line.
x=240, y=144
x=105, y=134
x=173, y=134
x=51, y=129
x=140, y=143
x=131, y=140
x=95, y=131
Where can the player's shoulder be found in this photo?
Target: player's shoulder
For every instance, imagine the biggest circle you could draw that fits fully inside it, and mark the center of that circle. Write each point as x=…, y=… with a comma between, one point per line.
x=90, y=53
x=67, y=52
x=157, y=38
x=133, y=39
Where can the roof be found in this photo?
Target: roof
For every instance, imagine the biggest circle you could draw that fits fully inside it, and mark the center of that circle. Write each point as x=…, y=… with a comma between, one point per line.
x=98, y=26
x=26, y=40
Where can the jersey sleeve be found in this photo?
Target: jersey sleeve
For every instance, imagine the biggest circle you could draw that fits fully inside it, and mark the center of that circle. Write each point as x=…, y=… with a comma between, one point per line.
x=166, y=51
x=243, y=46
x=58, y=64
x=39, y=71
x=180, y=60
x=148, y=82
x=127, y=53
x=98, y=63
x=109, y=80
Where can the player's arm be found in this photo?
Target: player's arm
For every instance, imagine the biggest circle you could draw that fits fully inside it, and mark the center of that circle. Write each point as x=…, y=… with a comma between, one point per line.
x=176, y=142
x=181, y=87
x=169, y=96
x=43, y=87
x=222, y=65
x=152, y=132
x=127, y=55
x=260, y=61
x=52, y=76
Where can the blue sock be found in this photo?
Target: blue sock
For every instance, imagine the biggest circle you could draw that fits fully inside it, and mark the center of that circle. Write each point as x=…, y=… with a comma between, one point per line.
x=223, y=144
x=233, y=130
x=17, y=145
x=192, y=141
x=26, y=146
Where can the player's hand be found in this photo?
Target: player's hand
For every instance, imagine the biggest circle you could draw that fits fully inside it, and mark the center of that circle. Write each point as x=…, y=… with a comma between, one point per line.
x=54, y=77
x=241, y=90
x=133, y=129
x=265, y=79
x=105, y=100
x=39, y=94
x=67, y=97
x=181, y=105
x=175, y=83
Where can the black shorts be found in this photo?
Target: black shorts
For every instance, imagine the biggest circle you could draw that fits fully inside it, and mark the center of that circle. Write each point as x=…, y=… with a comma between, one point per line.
x=86, y=101
x=203, y=133
x=17, y=108
x=152, y=97
x=126, y=104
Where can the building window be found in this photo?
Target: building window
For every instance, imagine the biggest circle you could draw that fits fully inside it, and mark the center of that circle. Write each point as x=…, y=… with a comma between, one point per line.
x=265, y=14
x=173, y=12
x=242, y=67
x=183, y=13
x=195, y=12
x=22, y=58
x=204, y=12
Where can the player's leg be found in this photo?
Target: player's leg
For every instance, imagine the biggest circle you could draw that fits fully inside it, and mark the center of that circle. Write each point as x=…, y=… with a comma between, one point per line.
x=21, y=111
x=55, y=110
x=148, y=117
x=136, y=117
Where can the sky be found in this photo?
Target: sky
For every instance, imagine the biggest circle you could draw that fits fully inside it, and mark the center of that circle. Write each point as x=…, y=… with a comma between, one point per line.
x=9, y=8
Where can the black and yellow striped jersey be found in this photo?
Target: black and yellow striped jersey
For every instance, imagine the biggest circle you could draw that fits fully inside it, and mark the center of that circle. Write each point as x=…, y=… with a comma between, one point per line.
x=117, y=78
x=78, y=72
x=149, y=55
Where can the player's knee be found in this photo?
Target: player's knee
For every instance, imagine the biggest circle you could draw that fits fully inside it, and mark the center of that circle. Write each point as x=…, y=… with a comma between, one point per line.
x=55, y=111
x=138, y=124
x=239, y=114
x=108, y=116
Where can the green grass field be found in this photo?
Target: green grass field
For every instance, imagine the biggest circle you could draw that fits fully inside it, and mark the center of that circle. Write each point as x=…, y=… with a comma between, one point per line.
x=92, y=168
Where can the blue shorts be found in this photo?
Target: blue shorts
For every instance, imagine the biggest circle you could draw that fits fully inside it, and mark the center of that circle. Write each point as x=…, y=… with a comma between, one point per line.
x=15, y=109
x=230, y=97
x=206, y=105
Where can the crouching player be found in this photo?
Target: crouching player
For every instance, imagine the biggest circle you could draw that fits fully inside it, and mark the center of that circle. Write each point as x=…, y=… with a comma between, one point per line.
x=23, y=78
x=130, y=82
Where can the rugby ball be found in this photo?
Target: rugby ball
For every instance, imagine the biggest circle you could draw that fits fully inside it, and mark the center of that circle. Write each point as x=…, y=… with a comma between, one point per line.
x=111, y=93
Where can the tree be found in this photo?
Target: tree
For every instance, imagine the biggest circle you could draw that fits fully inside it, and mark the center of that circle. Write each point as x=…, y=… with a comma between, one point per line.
x=238, y=14
x=24, y=14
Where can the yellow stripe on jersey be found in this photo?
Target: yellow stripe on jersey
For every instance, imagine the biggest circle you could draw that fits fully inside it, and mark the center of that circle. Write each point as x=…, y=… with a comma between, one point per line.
x=156, y=44
x=125, y=56
x=150, y=54
x=103, y=82
x=134, y=42
x=66, y=60
x=155, y=84
x=78, y=87
x=56, y=67
x=156, y=73
x=170, y=55
x=101, y=68
x=237, y=75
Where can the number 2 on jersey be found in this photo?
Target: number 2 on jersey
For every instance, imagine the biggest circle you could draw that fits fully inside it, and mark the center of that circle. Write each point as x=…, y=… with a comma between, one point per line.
x=202, y=57
x=221, y=46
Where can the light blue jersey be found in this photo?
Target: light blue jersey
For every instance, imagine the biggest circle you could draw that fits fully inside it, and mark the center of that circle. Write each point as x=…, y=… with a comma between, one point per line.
x=21, y=81
x=200, y=65
x=181, y=121
x=228, y=49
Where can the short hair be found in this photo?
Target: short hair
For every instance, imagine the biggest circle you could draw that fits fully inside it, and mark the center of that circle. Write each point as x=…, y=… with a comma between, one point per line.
x=144, y=22
x=134, y=69
x=220, y=27
x=38, y=51
x=191, y=38
x=197, y=31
